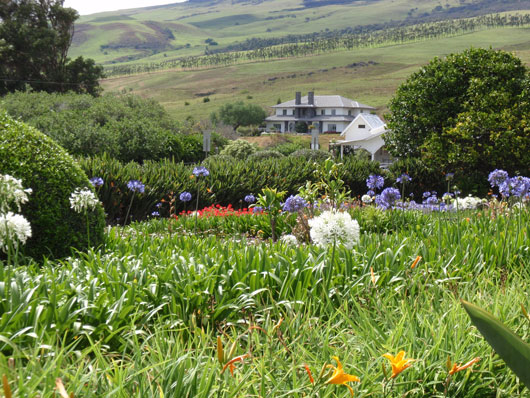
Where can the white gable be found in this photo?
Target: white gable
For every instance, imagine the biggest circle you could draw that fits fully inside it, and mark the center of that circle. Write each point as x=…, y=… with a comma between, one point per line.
x=364, y=127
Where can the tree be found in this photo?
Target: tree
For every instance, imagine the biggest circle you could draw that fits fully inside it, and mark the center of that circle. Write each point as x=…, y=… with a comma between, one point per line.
x=432, y=98
x=468, y=113
x=240, y=114
x=35, y=36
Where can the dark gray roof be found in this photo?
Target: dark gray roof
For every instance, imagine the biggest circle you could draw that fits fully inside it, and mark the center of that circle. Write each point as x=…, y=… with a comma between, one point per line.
x=325, y=101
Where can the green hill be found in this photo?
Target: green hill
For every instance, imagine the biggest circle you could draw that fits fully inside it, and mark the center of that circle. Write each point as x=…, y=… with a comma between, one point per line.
x=157, y=33
x=368, y=75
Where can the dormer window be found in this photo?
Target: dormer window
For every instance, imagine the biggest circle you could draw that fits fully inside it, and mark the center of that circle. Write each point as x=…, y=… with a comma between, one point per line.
x=362, y=126
x=349, y=113
x=285, y=112
x=323, y=112
x=333, y=112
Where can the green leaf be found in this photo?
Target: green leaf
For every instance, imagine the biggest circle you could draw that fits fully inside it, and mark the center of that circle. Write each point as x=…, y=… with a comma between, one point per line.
x=514, y=351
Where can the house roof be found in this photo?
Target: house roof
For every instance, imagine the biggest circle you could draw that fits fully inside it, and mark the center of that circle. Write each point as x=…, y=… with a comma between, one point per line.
x=376, y=127
x=317, y=118
x=325, y=101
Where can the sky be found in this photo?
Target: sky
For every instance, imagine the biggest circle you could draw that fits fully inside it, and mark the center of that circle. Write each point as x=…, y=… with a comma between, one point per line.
x=85, y=7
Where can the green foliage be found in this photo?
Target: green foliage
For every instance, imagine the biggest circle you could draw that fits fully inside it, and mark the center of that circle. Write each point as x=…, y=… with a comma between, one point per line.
x=310, y=154
x=301, y=127
x=288, y=148
x=230, y=180
x=270, y=200
x=424, y=178
x=514, y=351
x=52, y=174
x=467, y=113
x=266, y=154
x=35, y=37
x=241, y=114
x=239, y=149
x=247, y=131
x=126, y=127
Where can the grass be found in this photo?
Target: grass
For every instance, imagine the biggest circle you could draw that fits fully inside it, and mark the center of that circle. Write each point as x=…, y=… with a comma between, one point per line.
x=142, y=314
x=325, y=74
x=227, y=23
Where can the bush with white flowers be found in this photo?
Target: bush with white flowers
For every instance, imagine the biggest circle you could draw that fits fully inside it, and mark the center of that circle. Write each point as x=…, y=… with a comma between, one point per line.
x=468, y=203
x=82, y=200
x=334, y=227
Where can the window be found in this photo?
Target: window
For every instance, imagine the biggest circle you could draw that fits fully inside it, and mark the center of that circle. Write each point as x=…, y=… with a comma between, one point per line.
x=277, y=127
x=285, y=112
x=333, y=112
x=332, y=127
x=323, y=112
x=362, y=126
x=349, y=113
x=361, y=111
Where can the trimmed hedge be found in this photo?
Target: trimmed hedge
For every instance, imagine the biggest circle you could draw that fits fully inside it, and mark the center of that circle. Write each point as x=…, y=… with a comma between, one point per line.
x=53, y=175
x=228, y=183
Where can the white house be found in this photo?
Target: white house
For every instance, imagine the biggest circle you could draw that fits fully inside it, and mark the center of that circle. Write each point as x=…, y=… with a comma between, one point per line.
x=327, y=112
x=366, y=131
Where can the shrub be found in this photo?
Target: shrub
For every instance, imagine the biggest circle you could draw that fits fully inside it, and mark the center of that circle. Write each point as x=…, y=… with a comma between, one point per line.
x=423, y=177
x=310, y=154
x=265, y=154
x=53, y=175
x=126, y=127
x=239, y=149
x=288, y=148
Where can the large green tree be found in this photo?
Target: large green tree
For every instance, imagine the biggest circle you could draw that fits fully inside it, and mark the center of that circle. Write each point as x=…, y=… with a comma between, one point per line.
x=240, y=114
x=467, y=113
x=35, y=36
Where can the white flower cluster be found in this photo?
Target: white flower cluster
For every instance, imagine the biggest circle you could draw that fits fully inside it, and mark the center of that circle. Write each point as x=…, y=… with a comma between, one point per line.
x=289, y=240
x=366, y=199
x=14, y=228
x=333, y=226
x=11, y=191
x=82, y=200
x=468, y=203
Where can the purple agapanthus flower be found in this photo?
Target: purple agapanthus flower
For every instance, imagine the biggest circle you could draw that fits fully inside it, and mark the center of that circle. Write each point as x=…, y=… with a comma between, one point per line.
x=426, y=194
x=257, y=209
x=517, y=186
x=497, y=177
x=388, y=198
x=294, y=203
x=136, y=186
x=370, y=192
x=403, y=178
x=375, y=182
x=201, y=171
x=250, y=198
x=96, y=181
x=155, y=214
x=185, y=196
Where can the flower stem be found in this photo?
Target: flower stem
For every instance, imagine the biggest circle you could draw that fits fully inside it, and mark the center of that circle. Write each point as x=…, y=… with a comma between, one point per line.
x=196, y=210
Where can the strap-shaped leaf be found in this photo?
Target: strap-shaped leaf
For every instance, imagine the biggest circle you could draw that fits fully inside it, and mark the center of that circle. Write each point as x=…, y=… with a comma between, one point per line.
x=514, y=351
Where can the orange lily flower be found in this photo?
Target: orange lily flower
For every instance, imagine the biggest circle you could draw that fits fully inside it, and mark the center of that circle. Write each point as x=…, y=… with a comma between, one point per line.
x=415, y=262
x=308, y=371
x=339, y=377
x=398, y=362
x=458, y=368
x=230, y=364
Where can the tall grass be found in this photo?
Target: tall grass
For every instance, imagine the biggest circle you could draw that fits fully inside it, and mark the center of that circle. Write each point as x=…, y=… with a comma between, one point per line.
x=141, y=317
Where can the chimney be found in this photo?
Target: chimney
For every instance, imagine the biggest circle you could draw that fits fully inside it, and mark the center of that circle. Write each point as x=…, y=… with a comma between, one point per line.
x=311, y=98
x=298, y=98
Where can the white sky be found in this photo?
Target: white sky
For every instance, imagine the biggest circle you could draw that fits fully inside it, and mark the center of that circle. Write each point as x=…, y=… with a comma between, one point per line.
x=85, y=7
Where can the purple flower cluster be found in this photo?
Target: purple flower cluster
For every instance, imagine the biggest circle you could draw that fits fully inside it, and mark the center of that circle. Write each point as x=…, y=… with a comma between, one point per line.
x=375, y=182
x=449, y=176
x=185, y=196
x=403, y=178
x=136, y=186
x=388, y=198
x=201, y=171
x=516, y=186
x=96, y=181
x=294, y=203
x=250, y=198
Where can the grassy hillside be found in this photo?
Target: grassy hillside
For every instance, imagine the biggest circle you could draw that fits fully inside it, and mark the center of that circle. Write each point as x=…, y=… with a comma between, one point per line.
x=157, y=33
x=368, y=75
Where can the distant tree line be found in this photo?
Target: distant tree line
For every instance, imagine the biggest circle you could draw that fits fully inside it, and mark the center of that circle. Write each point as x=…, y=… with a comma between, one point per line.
x=341, y=41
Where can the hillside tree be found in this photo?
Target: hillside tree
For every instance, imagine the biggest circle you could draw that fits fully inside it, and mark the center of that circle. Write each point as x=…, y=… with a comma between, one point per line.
x=35, y=36
x=467, y=113
x=239, y=113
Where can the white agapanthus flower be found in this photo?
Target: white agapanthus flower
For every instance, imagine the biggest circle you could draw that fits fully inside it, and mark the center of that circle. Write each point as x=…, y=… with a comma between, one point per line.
x=468, y=203
x=82, y=200
x=289, y=240
x=14, y=228
x=12, y=192
x=366, y=199
x=334, y=226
